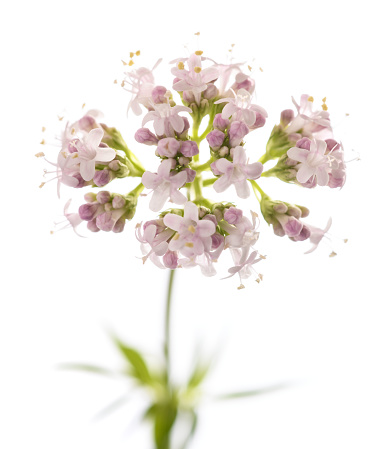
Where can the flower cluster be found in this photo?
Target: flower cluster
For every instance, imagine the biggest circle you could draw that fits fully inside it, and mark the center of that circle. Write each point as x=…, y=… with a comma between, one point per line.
x=200, y=230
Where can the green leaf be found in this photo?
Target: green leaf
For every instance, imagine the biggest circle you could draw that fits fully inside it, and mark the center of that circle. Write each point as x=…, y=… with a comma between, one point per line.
x=249, y=393
x=112, y=407
x=198, y=375
x=88, y=368
x=164, y=415
x=139, y=367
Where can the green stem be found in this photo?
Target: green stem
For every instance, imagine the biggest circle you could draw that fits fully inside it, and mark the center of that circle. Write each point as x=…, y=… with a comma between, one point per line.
x=204, y=166
x=209, y=182
x=207, y=129
x=167, y=327
x=264, y=158
x=257, y=188
x=137, y=190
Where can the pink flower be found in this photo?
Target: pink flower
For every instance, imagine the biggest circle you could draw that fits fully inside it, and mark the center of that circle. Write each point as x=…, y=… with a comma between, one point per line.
x=313, y=163
x=166, y=120
x=154, y=240
x=165, y=185
x=240, y=107
x=141, y=82
x=193, y=237
x=89, y=152
x=243, y=266
x=195, y=79
x=72, y=220
x=317, y=235
x=236, y=172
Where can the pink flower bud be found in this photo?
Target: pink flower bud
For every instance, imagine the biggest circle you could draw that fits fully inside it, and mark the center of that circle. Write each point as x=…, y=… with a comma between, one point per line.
x=189, y=148
x=90, y=197
x=332, y=145
x=188, y=96
x=244, y=81
x=190, y=174
x=158, y=94
x=91, y=225
x=184, y=161
x=170, y=259
x=103, y=197
x=286, y=117
x=224, y=151
x=119, y=225
x=233, y=215
x=215, y=171
x=87, y=123
x=105, y=221
x=236, y=133
x=144, y=135
x=304, y=143
x=81, y=182
x=210, y=217
x=88, y=211
x=294, y=211
x=304, y=234
x=215, y=139
x=292, y=227
x=217, y=240
x=220, y=123
x=210, y=92
x=168, y=147
x=259, y=121
x=102, y=177
x=280, y=208
x=118, y=202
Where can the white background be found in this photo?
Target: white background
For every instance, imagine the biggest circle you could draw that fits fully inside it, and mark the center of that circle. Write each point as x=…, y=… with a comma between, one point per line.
x=315, y=323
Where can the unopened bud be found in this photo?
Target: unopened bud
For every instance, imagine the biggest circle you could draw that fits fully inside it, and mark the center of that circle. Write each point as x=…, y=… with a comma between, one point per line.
x=168, y=147
x=215, y=139
x=286, y=117
x=88, y=211
x=90, y=197
x=210, y=92
x=118, y=202
x=119, y=225
x=188, y=96
x=220, y=123
x=236, y=133
x=189, y=148
x=233, y=215
x=184, y=161
x=224, y=151
x=259, y=121
x=91, y=225
x=102, y=177
x=158, y=94
x=144, y=135
x=103, y=197
x=170, y=259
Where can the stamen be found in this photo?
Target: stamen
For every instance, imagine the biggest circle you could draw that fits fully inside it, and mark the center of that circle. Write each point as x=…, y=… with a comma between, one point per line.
x=83, y=106
x=176, y=236
x=180, y=65
x=198, y=53
x=345, y=240
x=250, y=68
x=311, y=99
x=189, y=245
x=191, y=229
x=197, y=69
x=43, y=128
x=130, y=63
x=333, y=254
x=122, y=83
x=324, y=99
x=240, y=287
x=124, y=63
x=60, y=118
x=41, y=185
x=261, y=70
x=41, y=154
x=197, y=34
x=131, y=54
x=347, y=114
x=42, y=142
x=115, y=82
x=138, y=53
x=325, y=107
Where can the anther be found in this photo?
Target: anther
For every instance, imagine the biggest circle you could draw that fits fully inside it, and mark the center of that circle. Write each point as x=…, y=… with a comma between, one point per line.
x=43, y=128
x=180, y=66
x=191, y=229
x=189, y=245
x=311, y=99
x=42, y=142
x=130, y=63
x=41, y=154
x=197, y=69
x=41, y=185
x=131, y=54
x=333, y=254
x=198, y=53
x=138, y=53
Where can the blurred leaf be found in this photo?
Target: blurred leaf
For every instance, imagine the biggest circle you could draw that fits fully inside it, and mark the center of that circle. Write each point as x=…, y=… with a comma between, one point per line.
x=139, y=367
x=198, y=375
x=88, y=368
x=249, y=393
x=164, y=416
x=192, y=430
x=112, y=407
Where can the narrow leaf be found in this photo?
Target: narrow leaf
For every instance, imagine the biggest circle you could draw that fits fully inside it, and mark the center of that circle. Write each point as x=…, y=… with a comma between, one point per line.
x=112, y=407
x=87, y=368
x=192, y=430
x=250, y=393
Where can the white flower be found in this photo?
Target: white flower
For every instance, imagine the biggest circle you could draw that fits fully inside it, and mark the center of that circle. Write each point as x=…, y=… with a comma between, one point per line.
x=165, y=185
x=88, y=152
x=166, y=119
x=236, y=173
x=314, y=163
x=241, y=106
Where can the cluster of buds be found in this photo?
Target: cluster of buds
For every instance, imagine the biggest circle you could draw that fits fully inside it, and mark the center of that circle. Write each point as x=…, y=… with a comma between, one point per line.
x=200, y=230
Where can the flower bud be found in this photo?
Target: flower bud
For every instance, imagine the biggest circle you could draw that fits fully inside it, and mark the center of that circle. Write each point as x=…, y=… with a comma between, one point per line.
x=118, y=202
x=102, y=177
x=224, y=151
x=168, y=147
x=184, y=132
x=204, y=107
x=215, y=171
x=259, y=121
x=217, y=240
x=158, y=94
x=280, y=208
x=105, y=221
x=119, y=225
x=115, y=165
x=81, y=182
x=304, y=143
x=103, y=197
x=210, y=217
x=87, y=123
x=243, y=81
x=189, y=148
x=91, y=225
x=215, y=139
x=170, y=259
x=184, y=161
x=304, y=234
x=190, y=174
x=220, y=123
x=233, y=215
x=286, y=117
x=90, y=197
x=144, y=135
x=88, y=211
x=236, y=133
x=210, y=92
x=188, y=96
x=294, y=211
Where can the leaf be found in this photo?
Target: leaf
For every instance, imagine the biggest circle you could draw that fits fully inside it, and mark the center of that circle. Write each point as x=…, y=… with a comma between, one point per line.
x=249, y=393
x=88, y=368
x=198, y=375
x=165, y=416
x=192, y=430
x=139, y=367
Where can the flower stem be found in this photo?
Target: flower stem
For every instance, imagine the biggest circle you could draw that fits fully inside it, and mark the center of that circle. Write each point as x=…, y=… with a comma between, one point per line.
x=264, y=158
x=256, y=188
x=167, y=327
